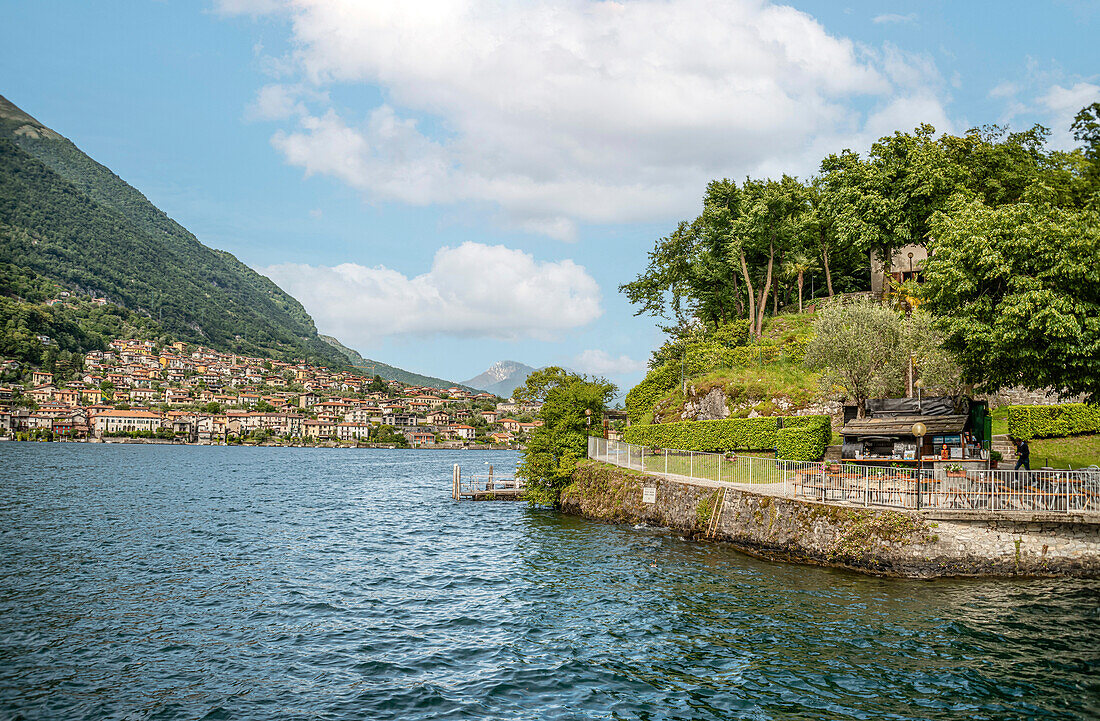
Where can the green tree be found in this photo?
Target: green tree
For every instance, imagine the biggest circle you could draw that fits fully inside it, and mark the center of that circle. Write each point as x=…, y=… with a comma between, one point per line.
x=797, y=266
x=554, y=449
x=390, y=436
x=769, y=222
x=856, y=346
x=885, y=201
x=1086, y=130
x=1017, y=292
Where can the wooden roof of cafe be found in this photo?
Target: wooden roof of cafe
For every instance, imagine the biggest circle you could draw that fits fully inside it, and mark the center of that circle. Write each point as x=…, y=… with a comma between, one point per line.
x=903, y=425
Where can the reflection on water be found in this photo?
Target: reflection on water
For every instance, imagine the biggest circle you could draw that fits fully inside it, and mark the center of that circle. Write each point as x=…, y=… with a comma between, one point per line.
x=166, y=582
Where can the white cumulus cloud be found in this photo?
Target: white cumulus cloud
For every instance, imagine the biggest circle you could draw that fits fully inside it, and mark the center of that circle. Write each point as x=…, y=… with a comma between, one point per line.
x=559, y=112
x=601, y=363
x=473, y=290
x=1063, y=104
x=275, y=102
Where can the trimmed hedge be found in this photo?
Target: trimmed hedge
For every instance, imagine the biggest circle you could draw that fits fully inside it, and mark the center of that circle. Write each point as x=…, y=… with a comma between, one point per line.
x=1067, y=419
x=822, y=425
x=713, y=436
x=799, y=443
x=807, y=433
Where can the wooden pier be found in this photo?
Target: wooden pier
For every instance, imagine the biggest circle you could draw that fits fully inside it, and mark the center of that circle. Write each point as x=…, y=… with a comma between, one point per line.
x=484, y=487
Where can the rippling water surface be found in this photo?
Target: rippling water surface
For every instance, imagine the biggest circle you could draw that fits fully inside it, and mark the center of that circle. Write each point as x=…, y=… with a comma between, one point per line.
x=184, y=582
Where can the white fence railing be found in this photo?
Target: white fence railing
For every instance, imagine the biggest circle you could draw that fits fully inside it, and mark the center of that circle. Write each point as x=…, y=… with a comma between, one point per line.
x=865, y=485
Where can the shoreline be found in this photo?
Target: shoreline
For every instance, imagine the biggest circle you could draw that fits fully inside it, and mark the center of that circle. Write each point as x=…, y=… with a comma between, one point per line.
x=361, y=446
x=877, y=542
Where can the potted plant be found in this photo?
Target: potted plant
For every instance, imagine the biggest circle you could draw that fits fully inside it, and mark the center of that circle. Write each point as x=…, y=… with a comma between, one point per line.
x=832, y=467
x=995, y=457
x=955, y=471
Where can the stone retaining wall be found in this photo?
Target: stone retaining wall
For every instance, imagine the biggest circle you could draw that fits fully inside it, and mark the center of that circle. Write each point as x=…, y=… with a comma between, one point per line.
x=1018, y=396
x=881, y=542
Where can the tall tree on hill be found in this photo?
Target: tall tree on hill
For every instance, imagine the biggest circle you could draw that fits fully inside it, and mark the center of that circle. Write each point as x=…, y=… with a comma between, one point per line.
x=661, y=290
x=717, y=274
x=767, y=223
x=886, y=200
x=690, y=274
x=796, y=266
x=820, y=225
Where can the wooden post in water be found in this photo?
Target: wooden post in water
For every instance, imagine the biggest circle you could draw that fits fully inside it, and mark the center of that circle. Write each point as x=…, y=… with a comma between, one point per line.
x=456, y=480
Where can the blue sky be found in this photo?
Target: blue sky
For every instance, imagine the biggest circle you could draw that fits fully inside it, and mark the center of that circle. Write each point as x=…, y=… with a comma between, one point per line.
x=449, y=184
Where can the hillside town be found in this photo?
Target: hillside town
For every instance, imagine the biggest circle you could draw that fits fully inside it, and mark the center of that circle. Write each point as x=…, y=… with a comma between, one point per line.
x=135, y=390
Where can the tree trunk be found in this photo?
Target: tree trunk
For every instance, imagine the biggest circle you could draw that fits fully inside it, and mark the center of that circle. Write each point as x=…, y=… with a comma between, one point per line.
x=739, y=304
x=800, y=292
x=887, y=265
x=775, y=297
x=763, y=307
x=825, y=258
x=751, y=293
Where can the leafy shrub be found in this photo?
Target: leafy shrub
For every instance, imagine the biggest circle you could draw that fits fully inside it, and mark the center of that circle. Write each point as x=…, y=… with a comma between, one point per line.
x=799, y=443
x=730, y=334
x=642, y=397
x=795, y=349
x=1053, y=421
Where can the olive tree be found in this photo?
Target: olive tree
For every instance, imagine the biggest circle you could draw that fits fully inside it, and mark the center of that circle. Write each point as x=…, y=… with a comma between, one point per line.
x=864, y=349
x=855, y=345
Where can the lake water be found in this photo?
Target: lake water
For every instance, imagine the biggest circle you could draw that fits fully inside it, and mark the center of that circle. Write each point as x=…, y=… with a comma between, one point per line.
x=258, y=583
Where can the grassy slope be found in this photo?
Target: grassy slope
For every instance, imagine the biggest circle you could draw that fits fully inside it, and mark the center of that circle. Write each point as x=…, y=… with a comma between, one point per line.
x=761, y=385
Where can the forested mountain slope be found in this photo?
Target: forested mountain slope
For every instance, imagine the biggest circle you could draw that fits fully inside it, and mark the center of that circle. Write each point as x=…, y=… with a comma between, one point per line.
x=70, y=219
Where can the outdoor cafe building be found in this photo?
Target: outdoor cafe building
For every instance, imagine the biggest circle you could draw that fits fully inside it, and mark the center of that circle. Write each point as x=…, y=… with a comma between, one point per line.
x=953, y=435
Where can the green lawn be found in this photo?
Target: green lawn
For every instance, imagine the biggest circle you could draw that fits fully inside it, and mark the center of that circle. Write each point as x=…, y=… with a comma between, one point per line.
x=715, y=467
x=1000, y=420
x=1072, y=452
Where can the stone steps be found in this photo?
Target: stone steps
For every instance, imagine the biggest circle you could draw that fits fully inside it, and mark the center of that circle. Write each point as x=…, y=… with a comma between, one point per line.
x=1006, y=447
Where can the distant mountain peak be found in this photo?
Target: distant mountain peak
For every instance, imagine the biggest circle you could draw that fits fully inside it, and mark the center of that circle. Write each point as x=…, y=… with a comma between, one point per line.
x=505, y=369
x=501, y=378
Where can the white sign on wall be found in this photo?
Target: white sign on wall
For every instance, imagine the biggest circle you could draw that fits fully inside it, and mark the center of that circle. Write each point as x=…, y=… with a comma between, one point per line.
x=649, y=495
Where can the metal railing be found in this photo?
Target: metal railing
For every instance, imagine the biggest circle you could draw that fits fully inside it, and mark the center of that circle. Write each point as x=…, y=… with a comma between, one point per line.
x=865, y=485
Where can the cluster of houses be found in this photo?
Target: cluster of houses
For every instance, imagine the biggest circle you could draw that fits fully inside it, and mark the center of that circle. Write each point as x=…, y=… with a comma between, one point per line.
x=200, y=395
